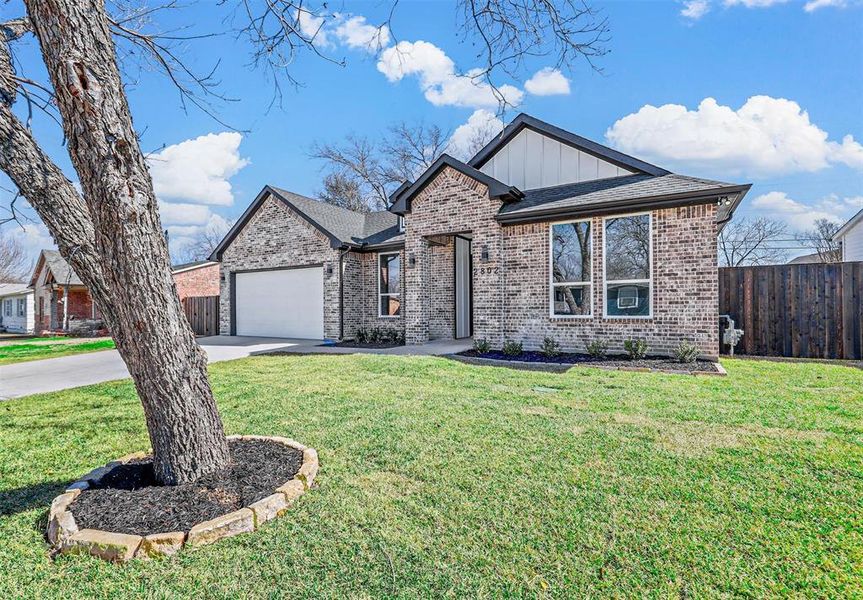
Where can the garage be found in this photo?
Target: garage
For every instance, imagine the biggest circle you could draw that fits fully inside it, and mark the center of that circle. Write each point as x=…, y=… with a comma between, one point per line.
x=280, y=303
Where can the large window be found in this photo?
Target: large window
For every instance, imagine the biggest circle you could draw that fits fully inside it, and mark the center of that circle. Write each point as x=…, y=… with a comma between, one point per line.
x=8, y=305
x=389, y=285
x=571, y=269
x=22, y=307
x=627, y=266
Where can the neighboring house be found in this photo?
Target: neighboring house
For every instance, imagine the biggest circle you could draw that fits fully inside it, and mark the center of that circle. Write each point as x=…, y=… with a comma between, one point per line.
x=16, y=308
x=542, y=234
x=806, y=259
x=197, y=278
x=850, y=237
x=63, y=302
x=60, y=296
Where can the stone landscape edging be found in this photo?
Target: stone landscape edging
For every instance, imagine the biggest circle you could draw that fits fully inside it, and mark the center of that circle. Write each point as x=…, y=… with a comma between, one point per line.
x=551, y=367
x=66, y=538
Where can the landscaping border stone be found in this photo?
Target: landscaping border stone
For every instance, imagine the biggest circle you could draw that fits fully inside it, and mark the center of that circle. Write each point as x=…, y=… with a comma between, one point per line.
x=65, y=537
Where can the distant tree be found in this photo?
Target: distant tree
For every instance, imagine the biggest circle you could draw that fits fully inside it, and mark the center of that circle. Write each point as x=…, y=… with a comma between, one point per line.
x=362, y=173
x=343, y=190
x=752, y=242
x=15, y=266
x=820, y=239
x=204, y=242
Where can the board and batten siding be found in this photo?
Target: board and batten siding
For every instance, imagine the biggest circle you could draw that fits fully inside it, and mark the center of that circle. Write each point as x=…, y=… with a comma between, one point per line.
x=531, y=160
x=852, y=243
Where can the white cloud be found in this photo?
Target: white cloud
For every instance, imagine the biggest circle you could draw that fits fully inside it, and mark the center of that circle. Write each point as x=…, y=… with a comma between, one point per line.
x=181, y=236
x=695, y=9
x=33, y=237
x=855, y=202
x=765, y=136
x=801, y=216
x=438, y=79
x=470, y=137
x=356, y=33
x=179, y=213
x=198, y=170
x=547, y=82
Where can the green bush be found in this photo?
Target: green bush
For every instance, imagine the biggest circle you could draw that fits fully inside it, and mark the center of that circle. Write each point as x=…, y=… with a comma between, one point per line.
x=686, y=352
x=636, y=348
x=550, y=348
x=597, y=349
x=481, y=346
x=362, y=335
x=512, y=348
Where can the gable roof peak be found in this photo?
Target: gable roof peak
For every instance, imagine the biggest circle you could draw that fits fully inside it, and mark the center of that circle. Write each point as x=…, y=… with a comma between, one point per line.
x=524, y=120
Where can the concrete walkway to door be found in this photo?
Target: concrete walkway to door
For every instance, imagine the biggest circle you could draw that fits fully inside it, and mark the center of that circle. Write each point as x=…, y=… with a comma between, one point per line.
x=65, y=372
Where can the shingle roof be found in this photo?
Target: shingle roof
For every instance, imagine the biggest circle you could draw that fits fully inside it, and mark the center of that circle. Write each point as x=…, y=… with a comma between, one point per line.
x=806, y=259
x=191, y=265
x=60, y=269
x=607, y=193
x=11, y=289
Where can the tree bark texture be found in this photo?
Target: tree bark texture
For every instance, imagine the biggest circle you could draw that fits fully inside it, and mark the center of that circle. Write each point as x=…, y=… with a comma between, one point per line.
x=112, y=236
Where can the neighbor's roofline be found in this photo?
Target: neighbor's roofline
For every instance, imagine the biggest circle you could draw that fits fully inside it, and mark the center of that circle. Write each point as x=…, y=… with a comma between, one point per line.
x=192, y=267
x=524, y=120
x=847, y=226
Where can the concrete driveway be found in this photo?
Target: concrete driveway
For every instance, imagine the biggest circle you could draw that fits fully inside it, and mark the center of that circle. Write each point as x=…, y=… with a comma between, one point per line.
x=53, y=374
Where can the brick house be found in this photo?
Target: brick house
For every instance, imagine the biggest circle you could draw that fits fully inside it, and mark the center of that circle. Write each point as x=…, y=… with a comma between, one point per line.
x=196, y=278
x=62, y=301
x=542, y=234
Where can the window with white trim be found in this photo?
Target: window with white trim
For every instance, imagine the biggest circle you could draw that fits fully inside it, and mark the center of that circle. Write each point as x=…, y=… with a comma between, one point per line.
x=8, y=305
x=401, y=223
x=571, y=269
x=389, y=284
x=22, y=307
x=627, y=257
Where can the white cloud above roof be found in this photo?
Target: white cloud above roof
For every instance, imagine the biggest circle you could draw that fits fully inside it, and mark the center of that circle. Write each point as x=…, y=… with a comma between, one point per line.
x=801, y=216
x=547, y=82
x=765, y=136
x=438, y=79
x=356, y=33
x=469, y=137
x=695, y=9
x=198, y=170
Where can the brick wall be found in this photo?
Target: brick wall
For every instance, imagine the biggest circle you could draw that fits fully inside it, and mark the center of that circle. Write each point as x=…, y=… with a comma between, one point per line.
x=276, y=237
x=685, y=287
x=361, y=294
x=453, y=203
x=202, y=281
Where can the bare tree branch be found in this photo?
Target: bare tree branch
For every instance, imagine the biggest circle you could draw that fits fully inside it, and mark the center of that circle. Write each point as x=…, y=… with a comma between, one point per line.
x=820, y=239
x=751, y=242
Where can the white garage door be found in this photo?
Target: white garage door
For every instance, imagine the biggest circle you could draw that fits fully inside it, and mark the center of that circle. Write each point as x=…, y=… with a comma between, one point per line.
x=283, y=303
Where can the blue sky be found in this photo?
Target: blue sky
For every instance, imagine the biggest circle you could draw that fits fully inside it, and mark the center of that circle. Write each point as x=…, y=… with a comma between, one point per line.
x=785, y=79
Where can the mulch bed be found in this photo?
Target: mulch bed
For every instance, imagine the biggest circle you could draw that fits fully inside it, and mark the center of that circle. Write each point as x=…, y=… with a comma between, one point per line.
x=128, y=500
x=377, y=345
x=566, y=358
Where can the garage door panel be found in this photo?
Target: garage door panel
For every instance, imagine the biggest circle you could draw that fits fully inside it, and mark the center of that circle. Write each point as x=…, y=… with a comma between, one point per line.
x=281, y=303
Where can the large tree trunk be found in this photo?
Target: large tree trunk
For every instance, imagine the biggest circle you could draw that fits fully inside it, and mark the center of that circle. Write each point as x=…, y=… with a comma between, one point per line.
x=113, y=237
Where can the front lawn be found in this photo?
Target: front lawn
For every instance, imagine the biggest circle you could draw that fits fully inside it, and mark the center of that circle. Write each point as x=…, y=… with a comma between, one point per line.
x=39, y=348
x=445, y=479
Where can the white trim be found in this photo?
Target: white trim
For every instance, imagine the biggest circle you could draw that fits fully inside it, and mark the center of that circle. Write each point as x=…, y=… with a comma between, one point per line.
x=397, y=294
x=849, y=225
x=649, y=281
x=552, y=283
x=209, y=263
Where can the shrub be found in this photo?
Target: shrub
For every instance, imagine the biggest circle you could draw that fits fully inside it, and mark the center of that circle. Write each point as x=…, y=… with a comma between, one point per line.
x=550, y=348
x=636, y=348
x=597, y=349
x=362, y=335
x=400, y=338
x=375, y=335
x=481, y=346
x=686, y=352
x=512, y=348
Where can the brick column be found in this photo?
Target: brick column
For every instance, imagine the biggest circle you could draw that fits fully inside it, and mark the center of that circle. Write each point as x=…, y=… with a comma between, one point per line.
x=417, y=280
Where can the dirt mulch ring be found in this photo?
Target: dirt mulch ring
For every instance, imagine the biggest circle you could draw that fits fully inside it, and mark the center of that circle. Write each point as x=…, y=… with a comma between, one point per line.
x=658, y=363
x=372, y=345
x=128, y=500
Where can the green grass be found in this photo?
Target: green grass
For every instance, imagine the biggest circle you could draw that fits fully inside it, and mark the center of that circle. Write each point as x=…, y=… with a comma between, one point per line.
x=37, y=349
x=444, y=479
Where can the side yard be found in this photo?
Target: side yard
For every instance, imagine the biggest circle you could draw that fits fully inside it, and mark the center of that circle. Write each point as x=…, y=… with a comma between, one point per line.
x=441, y=478
x=39, y=348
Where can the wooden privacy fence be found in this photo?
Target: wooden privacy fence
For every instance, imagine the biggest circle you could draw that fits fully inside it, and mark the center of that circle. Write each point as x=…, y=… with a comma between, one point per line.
x=202, y=313
x=804, y=311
